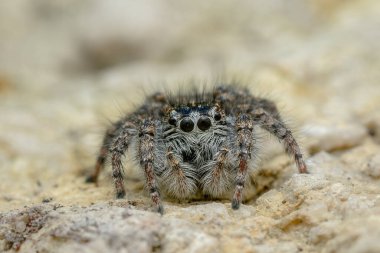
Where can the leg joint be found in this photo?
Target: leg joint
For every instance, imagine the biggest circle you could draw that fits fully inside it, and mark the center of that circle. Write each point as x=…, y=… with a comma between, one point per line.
x=117, y=174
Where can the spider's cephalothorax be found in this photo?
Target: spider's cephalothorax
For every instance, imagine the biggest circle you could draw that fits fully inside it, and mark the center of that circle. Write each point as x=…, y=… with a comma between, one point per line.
x=201, y=142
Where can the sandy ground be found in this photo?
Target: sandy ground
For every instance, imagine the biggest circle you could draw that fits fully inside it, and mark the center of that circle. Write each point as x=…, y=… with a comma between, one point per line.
x=69, y=67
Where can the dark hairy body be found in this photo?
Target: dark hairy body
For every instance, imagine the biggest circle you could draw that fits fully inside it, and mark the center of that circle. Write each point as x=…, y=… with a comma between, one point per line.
x=202, y=141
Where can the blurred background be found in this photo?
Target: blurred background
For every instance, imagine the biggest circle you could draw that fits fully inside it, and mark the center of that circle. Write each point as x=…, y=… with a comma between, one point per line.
x=66, y=66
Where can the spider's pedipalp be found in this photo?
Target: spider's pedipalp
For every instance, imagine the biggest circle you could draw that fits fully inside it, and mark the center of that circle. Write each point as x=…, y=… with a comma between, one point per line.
x=217, y=174
x=180, y=180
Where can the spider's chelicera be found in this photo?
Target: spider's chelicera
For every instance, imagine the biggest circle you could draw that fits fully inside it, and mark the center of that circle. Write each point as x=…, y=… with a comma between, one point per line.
x=199, y=142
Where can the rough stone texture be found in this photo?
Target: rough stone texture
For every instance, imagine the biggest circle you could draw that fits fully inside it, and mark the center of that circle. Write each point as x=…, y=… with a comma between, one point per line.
x=68, y=66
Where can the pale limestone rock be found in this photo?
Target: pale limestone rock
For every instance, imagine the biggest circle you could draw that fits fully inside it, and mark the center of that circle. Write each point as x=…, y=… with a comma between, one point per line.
x=356, y=235
x=301, y=184
x=365, y=159
x=271, y=203
x=325, y=164
x=372, y=121
x=181, y=236
x=372, y=168
x=329, y=135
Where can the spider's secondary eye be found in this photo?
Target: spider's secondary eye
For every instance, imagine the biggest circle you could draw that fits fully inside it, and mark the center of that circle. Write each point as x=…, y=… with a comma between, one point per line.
x=187, y=125
x=172, y=121
x=217, y=116
x=204, y=123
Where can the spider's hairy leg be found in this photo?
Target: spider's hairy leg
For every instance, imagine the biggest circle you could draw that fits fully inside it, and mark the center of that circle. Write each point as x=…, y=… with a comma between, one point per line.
x=119, y=147
x=244, y=130
x=146, y=154
x=216, y=180
x=270, y=121
x=103, y=152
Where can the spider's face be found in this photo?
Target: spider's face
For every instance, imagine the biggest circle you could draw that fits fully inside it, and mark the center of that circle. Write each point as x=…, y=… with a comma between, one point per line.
x=196, y=119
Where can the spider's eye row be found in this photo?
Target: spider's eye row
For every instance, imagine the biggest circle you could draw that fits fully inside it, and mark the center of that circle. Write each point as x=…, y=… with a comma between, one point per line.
x=187, y=125
x=217, y=116
x=172, y=121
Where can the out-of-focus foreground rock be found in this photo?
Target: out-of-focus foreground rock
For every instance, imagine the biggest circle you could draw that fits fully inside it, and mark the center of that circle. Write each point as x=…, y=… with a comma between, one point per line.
x=67, y=67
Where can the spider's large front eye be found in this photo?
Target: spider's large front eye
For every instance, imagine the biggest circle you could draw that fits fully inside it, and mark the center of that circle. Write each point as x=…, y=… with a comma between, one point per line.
x=187, y=125
x=204, y=123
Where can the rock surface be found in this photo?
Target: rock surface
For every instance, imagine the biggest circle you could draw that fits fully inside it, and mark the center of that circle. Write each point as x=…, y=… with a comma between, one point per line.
x=67, y=67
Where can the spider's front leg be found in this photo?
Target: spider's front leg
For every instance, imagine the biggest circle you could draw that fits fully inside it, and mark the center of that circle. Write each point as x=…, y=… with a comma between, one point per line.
x=270, y=121
x=146, y=154
x=245, y=141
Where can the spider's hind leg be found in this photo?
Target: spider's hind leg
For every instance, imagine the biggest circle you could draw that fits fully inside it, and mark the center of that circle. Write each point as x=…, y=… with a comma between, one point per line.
x=267, y=116
x=103, y=152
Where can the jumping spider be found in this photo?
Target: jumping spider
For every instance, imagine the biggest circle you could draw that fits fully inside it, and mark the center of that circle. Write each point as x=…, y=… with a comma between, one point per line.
x=198, y=142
